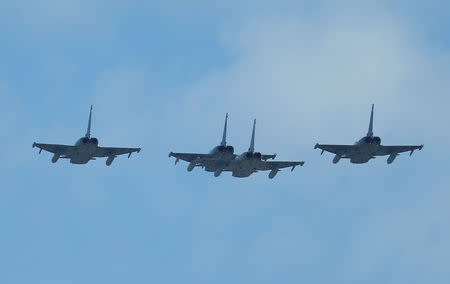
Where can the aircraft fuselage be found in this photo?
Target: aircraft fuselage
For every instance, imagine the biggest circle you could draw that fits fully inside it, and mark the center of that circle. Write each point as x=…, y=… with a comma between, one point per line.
x=221, y=162
x=222, y=155
x=86, y=148
x=244, y=167
x=366, y=149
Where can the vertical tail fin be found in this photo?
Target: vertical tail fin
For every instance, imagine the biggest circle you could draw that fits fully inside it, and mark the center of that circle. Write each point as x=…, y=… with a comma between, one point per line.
x=88, y=132
x=370, y=132
x=252, y=142
x=224, y=137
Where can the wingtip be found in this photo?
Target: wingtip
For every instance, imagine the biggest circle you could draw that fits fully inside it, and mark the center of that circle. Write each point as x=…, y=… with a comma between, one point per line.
x=299, y=164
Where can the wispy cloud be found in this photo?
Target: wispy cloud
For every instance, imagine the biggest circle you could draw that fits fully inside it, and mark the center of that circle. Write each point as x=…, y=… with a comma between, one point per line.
x=67, y=18
x=305, y=73
x=308, y=74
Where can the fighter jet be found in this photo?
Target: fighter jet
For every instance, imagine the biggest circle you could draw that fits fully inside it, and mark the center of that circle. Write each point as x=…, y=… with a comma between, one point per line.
x=85, y=149
x=251, y=162
x=216, y=160
x=366, y=148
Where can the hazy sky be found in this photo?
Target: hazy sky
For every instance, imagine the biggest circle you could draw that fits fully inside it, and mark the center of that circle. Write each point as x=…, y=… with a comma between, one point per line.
x=161, y=76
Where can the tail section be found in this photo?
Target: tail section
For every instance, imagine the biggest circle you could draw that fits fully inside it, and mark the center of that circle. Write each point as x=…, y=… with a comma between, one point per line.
x=252, y=142
x=370, y=132
x=224, y=137
x=88, y=132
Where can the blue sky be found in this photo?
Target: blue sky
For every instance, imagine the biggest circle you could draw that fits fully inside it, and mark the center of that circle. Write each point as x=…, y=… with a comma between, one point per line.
x=162, y=75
